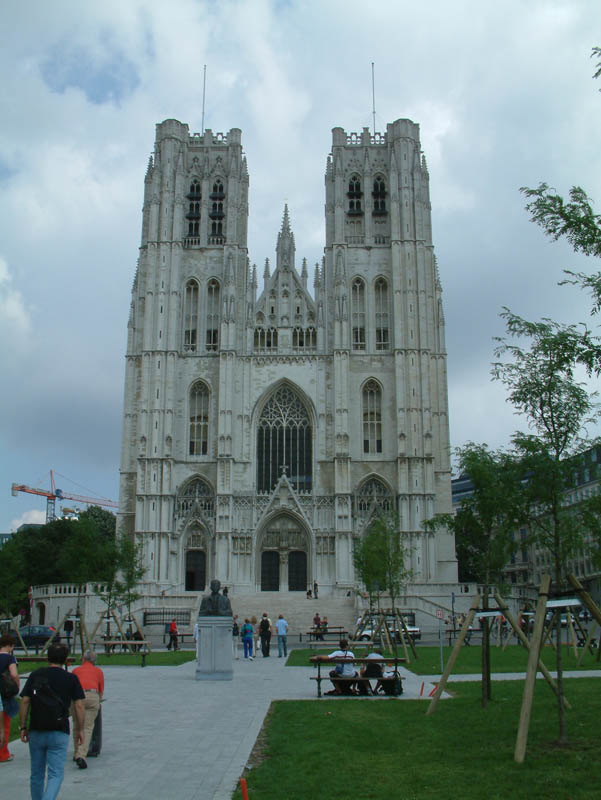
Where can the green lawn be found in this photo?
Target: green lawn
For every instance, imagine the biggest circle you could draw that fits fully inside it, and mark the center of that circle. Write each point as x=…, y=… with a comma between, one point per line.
x=158, y=659
x=513, y=659
x=386, y=749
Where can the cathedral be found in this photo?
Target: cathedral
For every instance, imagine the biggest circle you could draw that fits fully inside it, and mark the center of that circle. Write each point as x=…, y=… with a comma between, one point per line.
x=263, y=431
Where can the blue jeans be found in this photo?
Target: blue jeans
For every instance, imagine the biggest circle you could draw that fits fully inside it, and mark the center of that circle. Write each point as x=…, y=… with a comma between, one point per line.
x=248, y=646
x=47, y=749
x=282, y=645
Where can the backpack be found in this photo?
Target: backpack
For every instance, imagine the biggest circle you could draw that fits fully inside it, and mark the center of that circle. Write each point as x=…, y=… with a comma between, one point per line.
x=235, y=629
x=49, y=711
x=8, y=688
x=264, y=626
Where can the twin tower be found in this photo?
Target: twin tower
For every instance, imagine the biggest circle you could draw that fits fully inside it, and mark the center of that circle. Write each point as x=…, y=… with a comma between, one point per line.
x=263, y=432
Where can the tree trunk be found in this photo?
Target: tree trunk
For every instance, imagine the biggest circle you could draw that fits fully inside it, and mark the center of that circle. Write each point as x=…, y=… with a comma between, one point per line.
x=563, y=736
x=486, y=687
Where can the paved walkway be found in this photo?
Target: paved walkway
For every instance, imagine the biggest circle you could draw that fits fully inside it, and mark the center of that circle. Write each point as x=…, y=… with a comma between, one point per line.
x=167, y=735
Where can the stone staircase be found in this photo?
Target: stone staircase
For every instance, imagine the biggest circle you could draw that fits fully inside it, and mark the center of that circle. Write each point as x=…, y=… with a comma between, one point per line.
x=297, y=610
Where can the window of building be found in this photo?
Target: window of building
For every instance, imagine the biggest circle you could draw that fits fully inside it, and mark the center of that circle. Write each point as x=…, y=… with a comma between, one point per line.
x=193, y=215
x=358, y=314
x=371, y=407
x=379, y=196
x=284, y=442
x=303, y=339
x=354, y=195
x=382, y=335
x=217, y=214
x=191, y=317
x=212, y=338
x=373, y=496
x=196, y=494
x=199, y=419
x=266, y=339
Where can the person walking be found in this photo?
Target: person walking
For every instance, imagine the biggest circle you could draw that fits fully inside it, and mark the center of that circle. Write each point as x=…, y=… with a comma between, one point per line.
x=281, y=627
x=9, y=706
x=235, y=637
x=265, y=634
x=247, y=632
x=91, y=678
x=173, y=633
x=47, y=694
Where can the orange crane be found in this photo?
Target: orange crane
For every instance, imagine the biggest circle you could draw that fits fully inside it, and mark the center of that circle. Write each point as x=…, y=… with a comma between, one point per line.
x=57, y=494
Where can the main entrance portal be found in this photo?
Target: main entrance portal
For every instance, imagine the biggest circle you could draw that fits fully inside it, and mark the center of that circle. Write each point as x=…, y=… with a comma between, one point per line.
x=284, y=549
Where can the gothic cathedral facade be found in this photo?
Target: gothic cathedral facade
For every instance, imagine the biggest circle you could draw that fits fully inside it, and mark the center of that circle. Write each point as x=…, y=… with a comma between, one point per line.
x=262, y=432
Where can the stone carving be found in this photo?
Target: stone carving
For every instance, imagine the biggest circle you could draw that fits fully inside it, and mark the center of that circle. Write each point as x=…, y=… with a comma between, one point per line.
x=215, y=604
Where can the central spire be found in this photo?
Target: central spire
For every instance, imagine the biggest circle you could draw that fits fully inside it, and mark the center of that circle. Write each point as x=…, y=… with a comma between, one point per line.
x=285, y=247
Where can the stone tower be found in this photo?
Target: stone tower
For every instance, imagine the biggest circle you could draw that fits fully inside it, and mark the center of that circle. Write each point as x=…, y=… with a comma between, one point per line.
x=262, y=433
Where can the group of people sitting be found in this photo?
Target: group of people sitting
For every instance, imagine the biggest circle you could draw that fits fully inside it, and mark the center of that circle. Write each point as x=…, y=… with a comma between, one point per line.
x=320, y=626
x=374, y=669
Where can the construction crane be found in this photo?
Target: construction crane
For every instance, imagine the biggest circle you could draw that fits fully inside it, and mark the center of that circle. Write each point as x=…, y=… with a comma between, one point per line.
x=57, y=494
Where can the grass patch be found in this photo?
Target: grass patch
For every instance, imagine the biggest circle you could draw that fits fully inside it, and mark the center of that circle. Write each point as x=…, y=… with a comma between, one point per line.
x=378, y=750
x=158, y=659
x=513, y=659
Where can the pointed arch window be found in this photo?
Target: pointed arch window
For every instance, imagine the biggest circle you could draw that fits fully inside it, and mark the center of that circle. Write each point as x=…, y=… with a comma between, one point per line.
x=266, y=339
x=199, y=420
x=193, y=215
x=212, y=337
x=371, y=408
x=199, y=495
x=373, y=496
x=284, y=442
x=381, y=304
x=354, y=195
x=217, y=213
x=379, y=196
x=358, y=314
x=191, y=317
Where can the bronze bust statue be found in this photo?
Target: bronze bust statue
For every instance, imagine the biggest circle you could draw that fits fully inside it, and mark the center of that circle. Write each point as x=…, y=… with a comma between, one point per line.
x=215, y=604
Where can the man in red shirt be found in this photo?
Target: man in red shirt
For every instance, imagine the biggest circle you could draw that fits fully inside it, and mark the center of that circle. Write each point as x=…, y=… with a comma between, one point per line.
x=173, y=633
x=91, y=678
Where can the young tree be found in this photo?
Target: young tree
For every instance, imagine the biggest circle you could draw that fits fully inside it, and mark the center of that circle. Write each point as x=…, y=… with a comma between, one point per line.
x=542, y=386
x=131, y=571
x=381, y=557
x=485, y=524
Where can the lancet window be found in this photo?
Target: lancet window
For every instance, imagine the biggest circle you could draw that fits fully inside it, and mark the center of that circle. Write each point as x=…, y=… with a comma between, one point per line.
x=284, y=443
x=381, y=305
x=193, y=215
x=354, y=195
x=304, y=339
x=191, y=297
x=371, y=408
x=199, y=420
x=212, y=329
x=358, y=314
x=379, y=196
x=217, y=214
x=266, y=339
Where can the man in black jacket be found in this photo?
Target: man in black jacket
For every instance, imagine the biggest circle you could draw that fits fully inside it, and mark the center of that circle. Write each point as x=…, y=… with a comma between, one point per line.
x=48, y=694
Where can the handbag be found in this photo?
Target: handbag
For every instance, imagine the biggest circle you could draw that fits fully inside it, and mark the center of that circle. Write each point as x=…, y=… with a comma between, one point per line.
x=8, y=687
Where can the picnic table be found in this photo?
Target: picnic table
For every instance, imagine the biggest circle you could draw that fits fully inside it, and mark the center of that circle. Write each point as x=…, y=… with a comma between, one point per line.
x=319, y=660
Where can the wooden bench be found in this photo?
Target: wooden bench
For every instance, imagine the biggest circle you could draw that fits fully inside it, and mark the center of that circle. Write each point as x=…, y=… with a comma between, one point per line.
x=320, y=635
x=348, y=680
x=133, y=645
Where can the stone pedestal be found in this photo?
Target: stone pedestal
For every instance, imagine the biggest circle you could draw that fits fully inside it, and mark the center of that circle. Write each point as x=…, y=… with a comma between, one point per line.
x=214, y=649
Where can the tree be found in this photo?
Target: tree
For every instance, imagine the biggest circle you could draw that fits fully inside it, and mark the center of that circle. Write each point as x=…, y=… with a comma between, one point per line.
x=540, y=378
x=105, y=522
x=485, y=524
x=380, y=558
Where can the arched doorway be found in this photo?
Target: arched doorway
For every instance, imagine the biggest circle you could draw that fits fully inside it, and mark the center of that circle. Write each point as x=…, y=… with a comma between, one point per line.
x=196, y=570
x=41, y=613
x=284, y=555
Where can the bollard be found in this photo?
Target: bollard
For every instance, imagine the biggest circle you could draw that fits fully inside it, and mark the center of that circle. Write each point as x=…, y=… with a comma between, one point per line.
x=243, y=787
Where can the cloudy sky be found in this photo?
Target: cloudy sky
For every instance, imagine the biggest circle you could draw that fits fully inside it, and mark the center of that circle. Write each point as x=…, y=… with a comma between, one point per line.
x=504, y=96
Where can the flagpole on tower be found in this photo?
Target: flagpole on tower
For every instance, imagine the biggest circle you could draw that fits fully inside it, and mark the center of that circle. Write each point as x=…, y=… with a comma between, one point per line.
x=204, y=86
x=373, y=95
